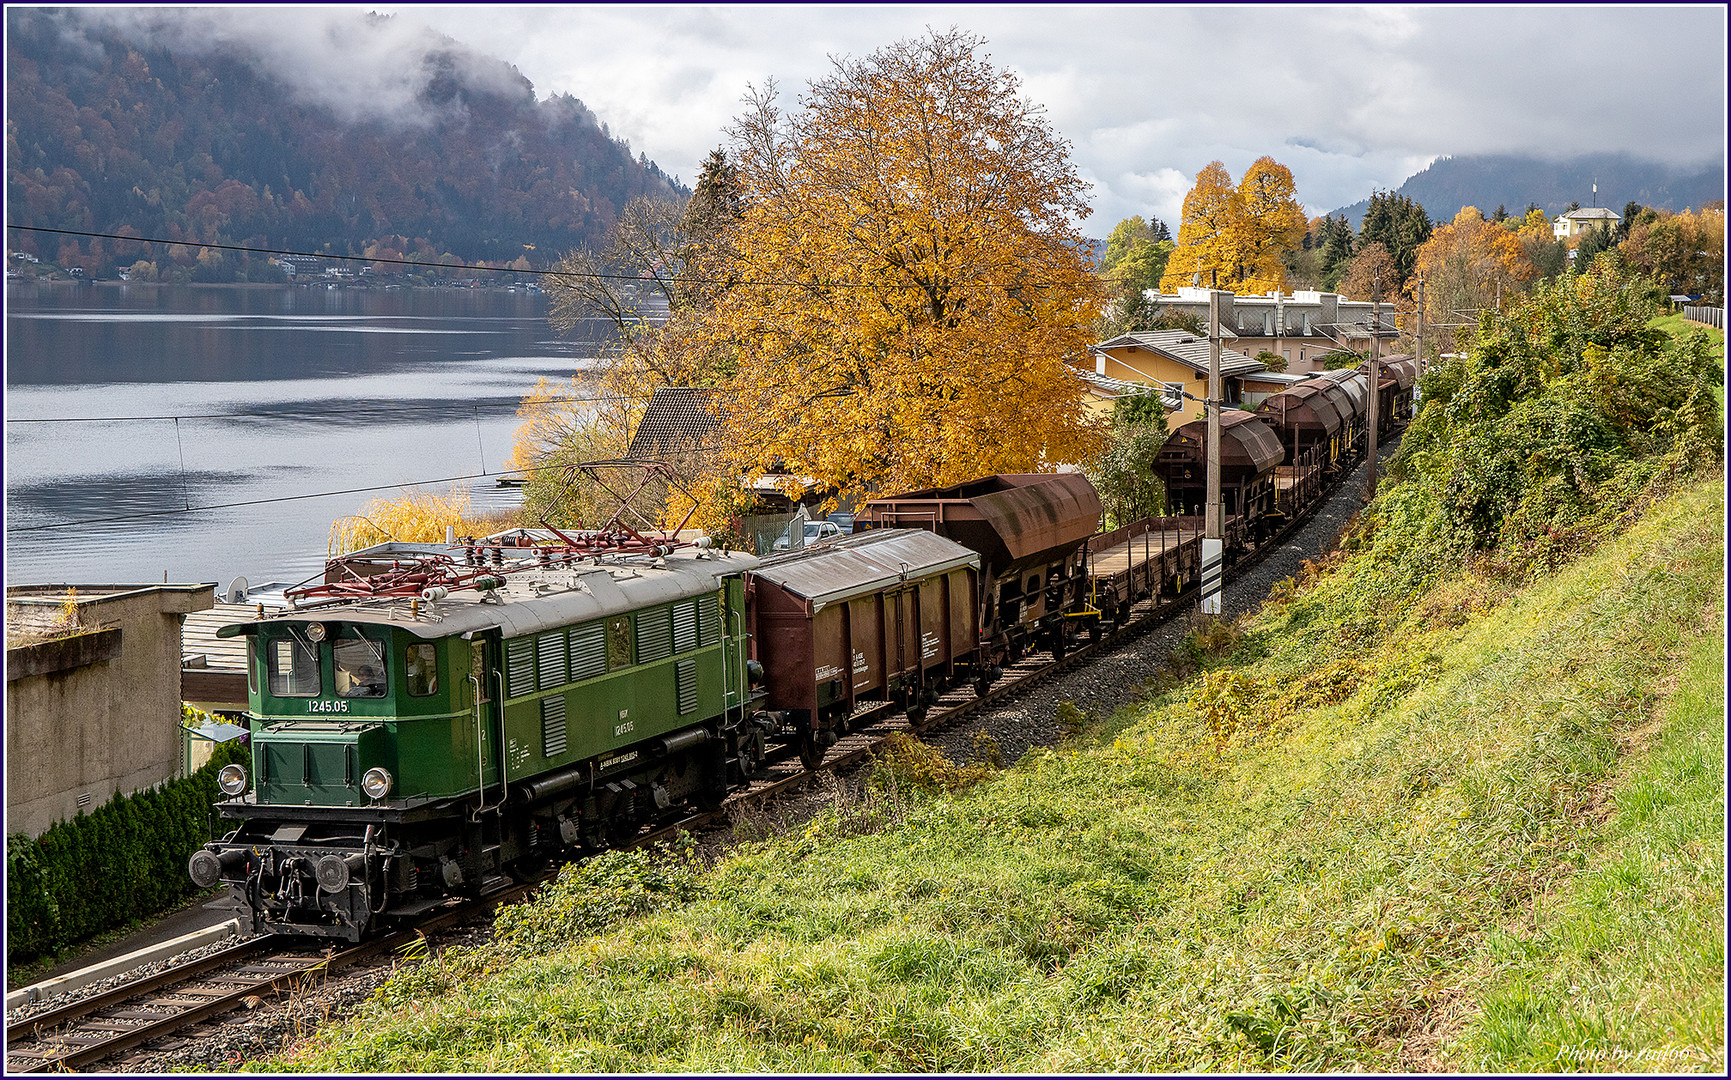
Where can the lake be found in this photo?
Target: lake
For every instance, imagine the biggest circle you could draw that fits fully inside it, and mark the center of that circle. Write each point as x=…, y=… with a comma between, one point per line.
x=126, y=404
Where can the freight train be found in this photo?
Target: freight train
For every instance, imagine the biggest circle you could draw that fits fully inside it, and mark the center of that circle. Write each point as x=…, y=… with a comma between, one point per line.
x=431, y=721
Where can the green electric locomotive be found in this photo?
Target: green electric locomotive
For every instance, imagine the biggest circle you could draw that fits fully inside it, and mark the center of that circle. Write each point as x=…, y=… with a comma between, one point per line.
x=432, y=722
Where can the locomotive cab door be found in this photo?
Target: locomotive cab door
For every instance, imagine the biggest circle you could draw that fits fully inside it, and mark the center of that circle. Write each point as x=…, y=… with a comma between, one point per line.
x=483, y=697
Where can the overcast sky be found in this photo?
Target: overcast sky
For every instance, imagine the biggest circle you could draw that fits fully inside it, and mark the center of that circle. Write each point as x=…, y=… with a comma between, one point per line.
x=1350, y=98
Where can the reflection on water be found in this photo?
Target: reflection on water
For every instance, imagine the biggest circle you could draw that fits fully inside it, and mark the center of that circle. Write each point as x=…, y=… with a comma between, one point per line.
x=348, y=389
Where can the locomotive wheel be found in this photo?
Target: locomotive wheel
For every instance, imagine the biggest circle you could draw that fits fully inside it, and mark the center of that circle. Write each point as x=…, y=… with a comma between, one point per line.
x=1058, y=644
x=917, y=714
x=1094, y=631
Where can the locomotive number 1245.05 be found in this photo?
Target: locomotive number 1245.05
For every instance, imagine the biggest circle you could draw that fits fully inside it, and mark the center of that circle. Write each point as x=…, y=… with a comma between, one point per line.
x=322, y=705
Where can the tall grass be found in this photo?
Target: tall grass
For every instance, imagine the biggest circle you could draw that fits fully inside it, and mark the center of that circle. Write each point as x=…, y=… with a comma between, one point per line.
x=415, y=516
x=1348, y=876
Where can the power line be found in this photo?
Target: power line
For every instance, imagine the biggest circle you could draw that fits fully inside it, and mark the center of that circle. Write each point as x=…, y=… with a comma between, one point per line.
x=545, y=273
x=365, y=410
x=261, y=502
x=313, y=495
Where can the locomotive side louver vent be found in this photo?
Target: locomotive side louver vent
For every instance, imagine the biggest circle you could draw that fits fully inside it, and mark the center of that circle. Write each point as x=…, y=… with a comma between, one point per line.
x=553, y=726
x=685, y=626
x=654, y=635
x=588, y=651
x=709, y=620
x=519, y=667
x=550, y=660
x=685, y=682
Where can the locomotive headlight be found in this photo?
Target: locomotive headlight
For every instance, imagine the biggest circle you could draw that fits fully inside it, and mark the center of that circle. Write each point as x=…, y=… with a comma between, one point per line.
x=232, y=779
x=315, y=632
x=376, y=783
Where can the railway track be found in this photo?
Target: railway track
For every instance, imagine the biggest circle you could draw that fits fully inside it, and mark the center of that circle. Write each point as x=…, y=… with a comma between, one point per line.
x=122, y=1020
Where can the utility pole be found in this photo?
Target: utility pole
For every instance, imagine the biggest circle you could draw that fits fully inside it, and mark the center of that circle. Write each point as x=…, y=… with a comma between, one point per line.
x=1213, y=531
x=1374, y=414
x=1420, y=345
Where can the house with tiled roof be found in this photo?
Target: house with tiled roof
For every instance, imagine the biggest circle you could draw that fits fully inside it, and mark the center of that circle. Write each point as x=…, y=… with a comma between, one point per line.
x=677, y=420
x=1171, y=362
x=1303, y=328
x=1575, y=222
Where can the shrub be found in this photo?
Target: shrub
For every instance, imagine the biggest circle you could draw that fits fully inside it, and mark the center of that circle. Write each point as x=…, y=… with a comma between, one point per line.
x=124, y=861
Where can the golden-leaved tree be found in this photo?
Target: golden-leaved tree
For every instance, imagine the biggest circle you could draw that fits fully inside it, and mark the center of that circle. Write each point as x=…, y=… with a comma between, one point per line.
x=1234, y=237
x=1464, y=263
x=1205, y=252
x=1270, y=222
x=909, y=283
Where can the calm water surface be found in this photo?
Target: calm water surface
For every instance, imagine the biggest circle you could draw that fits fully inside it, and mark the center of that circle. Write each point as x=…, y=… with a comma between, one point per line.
x=280, y=392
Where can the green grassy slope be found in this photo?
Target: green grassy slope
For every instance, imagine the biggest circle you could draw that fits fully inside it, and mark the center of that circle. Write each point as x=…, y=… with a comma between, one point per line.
x=1490, y=840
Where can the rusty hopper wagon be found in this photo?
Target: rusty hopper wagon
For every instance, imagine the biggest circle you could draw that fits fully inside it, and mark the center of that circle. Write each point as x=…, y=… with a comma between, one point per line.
x=1394, y=389
x=1349, y=393
x=1029, y=529
x=880, y=616
x=1249, y=451
x=1303, y=417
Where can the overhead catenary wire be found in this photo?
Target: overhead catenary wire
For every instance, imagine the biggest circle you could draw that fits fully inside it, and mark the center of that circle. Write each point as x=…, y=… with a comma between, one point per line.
x=578, y=275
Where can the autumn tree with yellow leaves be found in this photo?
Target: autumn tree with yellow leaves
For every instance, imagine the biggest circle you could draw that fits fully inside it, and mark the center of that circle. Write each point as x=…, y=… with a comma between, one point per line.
x=910, y=283
x=1233, y=237
x=1464, y=263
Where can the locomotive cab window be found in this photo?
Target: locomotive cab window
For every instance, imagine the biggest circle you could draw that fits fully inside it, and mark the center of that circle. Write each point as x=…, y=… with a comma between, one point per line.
x=618, y=643
x=292, y=667
x=360, y=666
x=421, y=669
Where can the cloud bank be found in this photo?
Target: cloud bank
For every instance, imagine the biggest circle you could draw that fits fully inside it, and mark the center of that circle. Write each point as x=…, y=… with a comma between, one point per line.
x=1350, y=98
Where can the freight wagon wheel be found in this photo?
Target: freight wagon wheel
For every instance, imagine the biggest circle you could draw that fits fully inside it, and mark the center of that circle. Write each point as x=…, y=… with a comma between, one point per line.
x=810, y=753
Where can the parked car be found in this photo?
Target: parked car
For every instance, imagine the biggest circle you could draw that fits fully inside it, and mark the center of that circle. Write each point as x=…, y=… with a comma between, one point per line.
x=815, y=532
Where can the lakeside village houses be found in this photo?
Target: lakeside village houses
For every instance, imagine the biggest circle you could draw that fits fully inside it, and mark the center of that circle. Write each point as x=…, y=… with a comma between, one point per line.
x=1302, y=328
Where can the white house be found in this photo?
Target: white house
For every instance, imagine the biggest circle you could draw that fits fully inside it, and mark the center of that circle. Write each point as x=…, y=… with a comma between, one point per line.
x=1576, y=222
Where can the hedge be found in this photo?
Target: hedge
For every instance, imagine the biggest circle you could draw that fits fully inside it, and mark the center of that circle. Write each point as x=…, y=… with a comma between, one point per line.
x=102, y=870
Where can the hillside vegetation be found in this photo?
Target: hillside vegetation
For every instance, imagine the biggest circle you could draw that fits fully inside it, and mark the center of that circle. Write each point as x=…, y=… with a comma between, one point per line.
x=1454, y=801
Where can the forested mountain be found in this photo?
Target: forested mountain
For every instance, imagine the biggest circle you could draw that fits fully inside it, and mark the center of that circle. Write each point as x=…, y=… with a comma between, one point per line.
x=1512, y=181
x=128, y=125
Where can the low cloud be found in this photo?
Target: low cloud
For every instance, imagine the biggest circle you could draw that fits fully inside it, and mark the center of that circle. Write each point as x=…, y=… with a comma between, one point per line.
x=359, y=67
x=1349, y=98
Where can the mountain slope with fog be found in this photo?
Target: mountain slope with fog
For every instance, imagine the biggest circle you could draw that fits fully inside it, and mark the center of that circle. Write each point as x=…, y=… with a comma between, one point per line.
x=1512, y=181
x=306, y=130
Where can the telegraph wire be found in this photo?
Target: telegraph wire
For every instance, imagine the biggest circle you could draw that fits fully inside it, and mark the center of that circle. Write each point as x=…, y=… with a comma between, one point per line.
x=544, y=273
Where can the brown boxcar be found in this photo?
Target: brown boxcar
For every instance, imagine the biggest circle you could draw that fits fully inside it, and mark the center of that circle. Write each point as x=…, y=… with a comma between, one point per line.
x=886, y=615
x=1029, y=529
